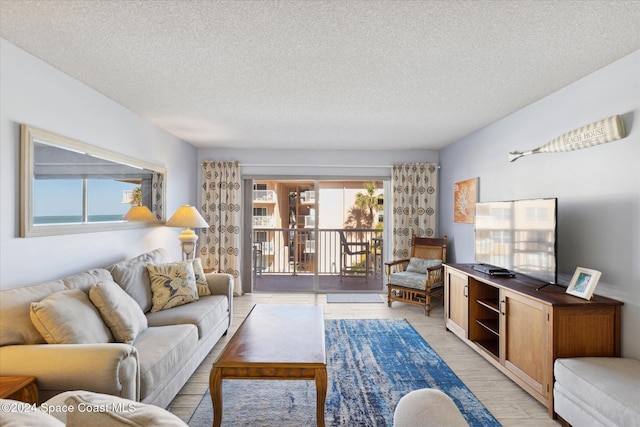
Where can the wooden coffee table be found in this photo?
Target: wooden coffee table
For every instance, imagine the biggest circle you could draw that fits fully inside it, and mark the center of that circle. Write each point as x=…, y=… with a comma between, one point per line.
x=275, y=342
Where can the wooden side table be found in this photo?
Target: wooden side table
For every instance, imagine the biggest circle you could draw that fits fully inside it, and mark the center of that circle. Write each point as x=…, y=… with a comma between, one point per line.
x=19, y=388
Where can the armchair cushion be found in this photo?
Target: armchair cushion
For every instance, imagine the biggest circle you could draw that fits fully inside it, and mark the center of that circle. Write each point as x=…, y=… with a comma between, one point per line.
x=69, y=317
x=120, y=312
x=419, y=265
x=172, y=284
x=409, y=279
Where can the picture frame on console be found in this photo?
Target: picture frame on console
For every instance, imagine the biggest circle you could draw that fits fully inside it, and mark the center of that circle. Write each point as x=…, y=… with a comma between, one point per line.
x=583, y=282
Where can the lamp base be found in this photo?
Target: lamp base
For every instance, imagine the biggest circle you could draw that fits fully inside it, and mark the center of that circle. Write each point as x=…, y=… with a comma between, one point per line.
x=188, y=239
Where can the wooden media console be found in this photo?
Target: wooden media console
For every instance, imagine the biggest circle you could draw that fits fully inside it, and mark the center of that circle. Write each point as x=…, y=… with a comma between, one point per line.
x=522, y=330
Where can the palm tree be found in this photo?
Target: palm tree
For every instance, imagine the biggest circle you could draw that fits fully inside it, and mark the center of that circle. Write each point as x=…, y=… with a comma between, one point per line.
x=357, y=218
x=368, y=202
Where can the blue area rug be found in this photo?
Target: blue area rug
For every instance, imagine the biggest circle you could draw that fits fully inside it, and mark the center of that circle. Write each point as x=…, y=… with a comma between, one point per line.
x=371, y=364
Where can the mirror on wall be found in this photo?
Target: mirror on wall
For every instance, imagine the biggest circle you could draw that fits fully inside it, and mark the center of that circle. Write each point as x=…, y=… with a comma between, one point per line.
x=69, y=186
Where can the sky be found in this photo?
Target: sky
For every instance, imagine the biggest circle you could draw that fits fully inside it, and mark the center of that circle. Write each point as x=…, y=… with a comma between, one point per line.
x=64, y=197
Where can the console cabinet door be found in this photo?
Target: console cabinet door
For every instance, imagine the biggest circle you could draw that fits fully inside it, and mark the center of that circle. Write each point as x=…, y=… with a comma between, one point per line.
x=525, y=341
x=456, y=302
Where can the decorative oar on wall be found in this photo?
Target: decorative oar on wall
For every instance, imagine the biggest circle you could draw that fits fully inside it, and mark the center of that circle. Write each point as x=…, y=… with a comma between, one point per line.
x=596, y=133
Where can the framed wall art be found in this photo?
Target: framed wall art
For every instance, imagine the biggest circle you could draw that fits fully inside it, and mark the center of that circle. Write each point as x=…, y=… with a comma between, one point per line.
x=583, y=282
x=465, y=196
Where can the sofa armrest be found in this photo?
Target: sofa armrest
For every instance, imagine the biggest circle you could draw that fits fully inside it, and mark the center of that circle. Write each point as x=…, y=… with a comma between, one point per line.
x=222, y=284
x=110, y=368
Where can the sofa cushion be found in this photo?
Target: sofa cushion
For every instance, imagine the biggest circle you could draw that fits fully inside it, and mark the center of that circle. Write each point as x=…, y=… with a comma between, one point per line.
x=132, y=276
x=85, y=408
x=172, y=284
x=87, y=278
x=68, y=317
x=120, y=312
x=161, y=352
x=15, y=307
x=607, y=385
x=205, y=314
x=420, y=265
x=22, y=418
x=201, y=280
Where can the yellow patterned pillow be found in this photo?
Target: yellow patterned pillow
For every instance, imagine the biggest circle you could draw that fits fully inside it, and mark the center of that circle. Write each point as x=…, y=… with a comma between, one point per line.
x=172, y=284
x=201, y=281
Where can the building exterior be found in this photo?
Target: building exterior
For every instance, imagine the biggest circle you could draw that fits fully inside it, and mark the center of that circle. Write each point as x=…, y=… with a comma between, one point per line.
x=297, y=224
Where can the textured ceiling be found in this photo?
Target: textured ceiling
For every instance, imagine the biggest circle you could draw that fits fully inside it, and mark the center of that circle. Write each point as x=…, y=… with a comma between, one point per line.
x=324, y=74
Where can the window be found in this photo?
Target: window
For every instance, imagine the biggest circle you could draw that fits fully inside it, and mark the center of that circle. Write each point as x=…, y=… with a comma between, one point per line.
x=260, y=212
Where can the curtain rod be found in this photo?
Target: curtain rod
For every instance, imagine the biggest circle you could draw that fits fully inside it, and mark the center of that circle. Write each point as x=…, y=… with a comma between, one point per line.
x=317, y=166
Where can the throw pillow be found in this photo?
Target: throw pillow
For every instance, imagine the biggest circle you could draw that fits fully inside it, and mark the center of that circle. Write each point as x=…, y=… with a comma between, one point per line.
x=201, y=280
x=120, y=312
x=68, y=317
x=132, y=275
x=15, y=311
x=98, y=410
x=172, y=284
x=419, y=265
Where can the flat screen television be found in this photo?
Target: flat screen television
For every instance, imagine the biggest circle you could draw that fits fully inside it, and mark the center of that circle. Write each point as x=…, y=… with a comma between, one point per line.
x=520, y=236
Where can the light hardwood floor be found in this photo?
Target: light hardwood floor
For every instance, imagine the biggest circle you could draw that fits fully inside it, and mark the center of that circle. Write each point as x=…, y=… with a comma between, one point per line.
x=507, y=402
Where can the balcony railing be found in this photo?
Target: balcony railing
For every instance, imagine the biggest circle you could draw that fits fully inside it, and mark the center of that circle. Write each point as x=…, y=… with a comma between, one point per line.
x=287, y=251
x=264, y=196
x=308, y=197
x=264, y=221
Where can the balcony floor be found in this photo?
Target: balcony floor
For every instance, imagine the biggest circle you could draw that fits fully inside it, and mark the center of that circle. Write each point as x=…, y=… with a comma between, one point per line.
x=327, y=283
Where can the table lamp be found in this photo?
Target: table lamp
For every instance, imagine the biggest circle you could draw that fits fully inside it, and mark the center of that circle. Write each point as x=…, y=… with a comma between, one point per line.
x=189, y=217
x=139, y=213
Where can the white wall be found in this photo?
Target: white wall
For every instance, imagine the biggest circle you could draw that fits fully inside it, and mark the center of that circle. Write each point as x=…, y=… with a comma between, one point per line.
x=598, y=188
x=34, y=93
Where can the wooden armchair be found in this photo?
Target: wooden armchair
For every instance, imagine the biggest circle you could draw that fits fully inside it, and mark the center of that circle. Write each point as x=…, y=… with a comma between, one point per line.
x=416, y=280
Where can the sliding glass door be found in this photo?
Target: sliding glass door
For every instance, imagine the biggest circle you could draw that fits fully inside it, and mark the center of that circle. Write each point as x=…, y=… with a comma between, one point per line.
x=315, y=236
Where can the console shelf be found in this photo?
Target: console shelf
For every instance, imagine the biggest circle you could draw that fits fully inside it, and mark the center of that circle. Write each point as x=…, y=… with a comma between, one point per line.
x=491, y=305
x=491, y=325
x=521, y=330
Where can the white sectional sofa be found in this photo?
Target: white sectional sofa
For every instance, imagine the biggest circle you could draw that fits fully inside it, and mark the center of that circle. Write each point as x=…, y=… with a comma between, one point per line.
x=597, y=391
x=118, y=343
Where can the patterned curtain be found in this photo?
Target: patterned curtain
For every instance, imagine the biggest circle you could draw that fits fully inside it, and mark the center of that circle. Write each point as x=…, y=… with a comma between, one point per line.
x=221, y=201
x=157, y=192
x=415, y=195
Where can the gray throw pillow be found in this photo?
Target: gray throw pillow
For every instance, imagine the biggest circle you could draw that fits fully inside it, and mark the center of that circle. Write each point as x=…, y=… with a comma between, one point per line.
x=120, y=312
x=69, y=317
